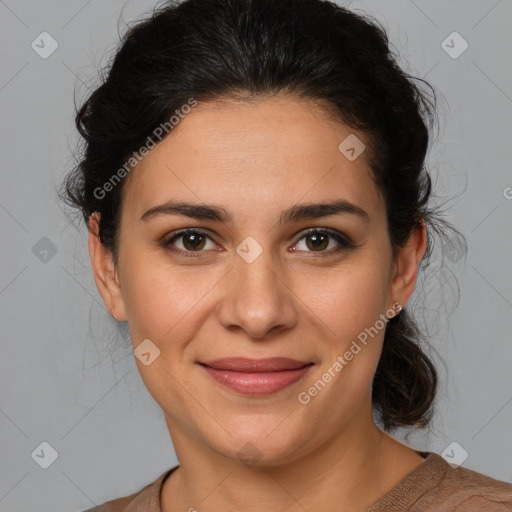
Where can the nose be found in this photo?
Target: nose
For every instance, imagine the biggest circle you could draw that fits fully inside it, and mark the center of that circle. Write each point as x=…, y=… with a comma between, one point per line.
x=258, y=299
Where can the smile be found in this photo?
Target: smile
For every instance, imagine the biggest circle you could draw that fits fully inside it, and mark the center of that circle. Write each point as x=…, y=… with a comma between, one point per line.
x=256, y=376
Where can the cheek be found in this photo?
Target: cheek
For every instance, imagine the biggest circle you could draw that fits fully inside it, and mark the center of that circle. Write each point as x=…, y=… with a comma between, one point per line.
x=353, y=332
x=164, y=305
x=350, y=308
x=348, y=299
x=161, y=301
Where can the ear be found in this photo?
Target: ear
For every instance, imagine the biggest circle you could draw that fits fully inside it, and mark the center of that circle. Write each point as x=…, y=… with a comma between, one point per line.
x=105, y=275
x=406, y=264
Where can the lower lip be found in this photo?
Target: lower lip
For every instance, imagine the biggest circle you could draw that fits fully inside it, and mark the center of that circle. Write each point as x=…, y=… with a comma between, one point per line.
x=261, y=383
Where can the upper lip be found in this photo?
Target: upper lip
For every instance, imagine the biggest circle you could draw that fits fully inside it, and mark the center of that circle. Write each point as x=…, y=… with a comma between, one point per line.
x=243, y=364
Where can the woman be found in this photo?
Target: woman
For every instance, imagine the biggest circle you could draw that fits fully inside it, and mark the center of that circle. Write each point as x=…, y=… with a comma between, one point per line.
x=258, y=210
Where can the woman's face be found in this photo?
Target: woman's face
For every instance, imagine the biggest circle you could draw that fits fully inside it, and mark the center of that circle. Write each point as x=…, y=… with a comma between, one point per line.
x=255, y=284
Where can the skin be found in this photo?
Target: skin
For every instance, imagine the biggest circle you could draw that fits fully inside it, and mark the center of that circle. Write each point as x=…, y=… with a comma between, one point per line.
x=256, y=159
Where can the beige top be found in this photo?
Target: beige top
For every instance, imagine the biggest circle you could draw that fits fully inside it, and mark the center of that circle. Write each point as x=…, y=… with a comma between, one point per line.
x=433, y=486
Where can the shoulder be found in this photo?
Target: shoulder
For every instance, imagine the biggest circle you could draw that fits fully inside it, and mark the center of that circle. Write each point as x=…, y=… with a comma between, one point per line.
x=117, y=505
x=437, y=486
x=146, y=499
x=469, y=490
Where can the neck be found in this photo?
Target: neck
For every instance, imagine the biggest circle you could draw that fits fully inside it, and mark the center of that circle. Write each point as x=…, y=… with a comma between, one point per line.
x=355, y=468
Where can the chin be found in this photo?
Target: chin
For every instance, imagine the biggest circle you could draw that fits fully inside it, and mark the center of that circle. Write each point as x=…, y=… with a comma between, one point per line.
x=259, y=449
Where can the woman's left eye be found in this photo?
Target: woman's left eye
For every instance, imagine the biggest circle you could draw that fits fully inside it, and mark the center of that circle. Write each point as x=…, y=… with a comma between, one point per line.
x=194, y=241
x=320, y=240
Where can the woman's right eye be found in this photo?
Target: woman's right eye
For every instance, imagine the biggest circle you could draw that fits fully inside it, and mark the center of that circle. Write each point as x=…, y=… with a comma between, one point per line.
x=192, y=241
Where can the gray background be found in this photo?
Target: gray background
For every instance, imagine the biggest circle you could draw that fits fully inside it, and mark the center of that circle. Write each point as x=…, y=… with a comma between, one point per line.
x=67, y=374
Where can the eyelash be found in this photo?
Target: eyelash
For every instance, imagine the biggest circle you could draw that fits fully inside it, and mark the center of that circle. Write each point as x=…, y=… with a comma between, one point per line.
x=345, y=242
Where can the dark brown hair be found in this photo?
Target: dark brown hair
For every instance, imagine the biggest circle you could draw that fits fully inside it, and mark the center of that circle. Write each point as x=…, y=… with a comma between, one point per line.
x=313, y=49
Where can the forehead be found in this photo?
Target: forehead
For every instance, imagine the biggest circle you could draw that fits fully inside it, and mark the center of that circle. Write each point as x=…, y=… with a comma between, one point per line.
x=254, y=156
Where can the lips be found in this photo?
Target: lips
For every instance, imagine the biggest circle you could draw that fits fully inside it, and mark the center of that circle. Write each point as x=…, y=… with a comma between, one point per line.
x=243, y=364
x=256, y=376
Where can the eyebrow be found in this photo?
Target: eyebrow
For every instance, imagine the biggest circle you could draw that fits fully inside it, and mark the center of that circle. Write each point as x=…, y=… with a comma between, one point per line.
x=294, y=214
